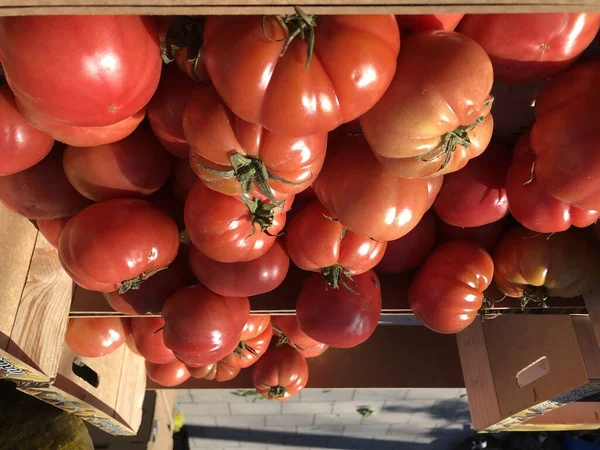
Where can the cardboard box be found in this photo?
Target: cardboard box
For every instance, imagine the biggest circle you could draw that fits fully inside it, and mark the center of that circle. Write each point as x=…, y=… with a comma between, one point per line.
x=520, y=367
x=35, y=298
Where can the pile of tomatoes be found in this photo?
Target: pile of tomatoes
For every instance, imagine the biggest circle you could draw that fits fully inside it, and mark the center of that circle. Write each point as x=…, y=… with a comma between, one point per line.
x=181, y=164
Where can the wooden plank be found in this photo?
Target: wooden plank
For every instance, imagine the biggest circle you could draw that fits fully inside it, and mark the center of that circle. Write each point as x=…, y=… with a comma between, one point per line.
x=41, y=320
x=131, y=390
x=573, y=416
x=17, y=240
x=590, y=350
x=393, y=357
x=477, y=373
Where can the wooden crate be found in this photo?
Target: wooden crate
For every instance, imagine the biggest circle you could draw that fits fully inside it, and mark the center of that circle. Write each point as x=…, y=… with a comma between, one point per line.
x=518, y=368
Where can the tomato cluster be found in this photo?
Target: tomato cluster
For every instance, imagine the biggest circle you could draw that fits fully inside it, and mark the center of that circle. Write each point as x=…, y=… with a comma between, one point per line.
x=341, y=145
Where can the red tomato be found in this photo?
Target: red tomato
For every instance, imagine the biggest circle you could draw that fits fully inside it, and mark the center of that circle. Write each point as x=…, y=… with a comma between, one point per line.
x=313, y=352
x=104, y=68
x=289, y=332
x=52, y=229
x=83, y=136
x=194, y=68
x=476, y=195
x=338, y=317
x=183, y=179
x=414, y=23
x=447, y=291
x=202, y=327
x=531, y=47
x=221, y=226
x=434, y=186
x=218, y=372
x=366, y=198
x=153, y=293
x=534, y=265
x=43, y=191
x=410, y=251
x=250, y=350
x=221, y=141
x=486, y=236
x=148, y=337
x=280, y=374
x=96, y=336
x=255, y=326
x=21, y=145
x=117, y=244
x=165, y=110
x=565, y=135
x=245, y=279
x=167, y=375
x=317, y=241
x=135, y=166
x=434, y=117
x=353, y=63
x=532, y=206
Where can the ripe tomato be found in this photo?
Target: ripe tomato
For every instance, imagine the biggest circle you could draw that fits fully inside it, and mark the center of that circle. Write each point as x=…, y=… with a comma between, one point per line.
x=531, y=205
x=338, y=317
x=317, y=241
x=313, y=352
x=534, y=266
x=96, y=337
x=413, y=23
x=366, y=198
x=434, y=186
x=202, y=327
x=352, y=65
x=280, y=374
x=242, y=279
x=148, y=337
x=410, y=251
x=83, y=136
x=218, y=372
x=289, y=332
x=486, y=236
x=255, y=326
x=52, y=229
x=135, y=166
x=104, y=68
x=183, y=179
x=167, y=375
x=42, y=191
x=447, y=291
x=117, y=244
x=565, y=135
x=434, y=117
x=153, y=293
x=249, y=350
x=224, y=229
x=247, y=157
x=476, y=195
x=21, y=145
x=165, y=110
x=531, y=47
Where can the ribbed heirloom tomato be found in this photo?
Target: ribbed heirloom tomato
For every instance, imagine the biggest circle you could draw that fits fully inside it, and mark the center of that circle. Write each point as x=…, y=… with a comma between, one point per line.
x=168, y=375
x=534, y=266
x=117, y=244
x=288, y=330
x=280, y=374
x=434, y=117
x=486, y=236
x=21, y=145
x=284, y=89
x=447, y=292
x=95, y=337
x=422, y=22
x=103, y=68
x=244, y=279
x=233, y=156
x=565, y=136
x=317, y=241
x=531, y=47
x=531, y=205
x=218, y=371
x=365, y=197
x=251, y=347
x=147, y=334
x=52, y=229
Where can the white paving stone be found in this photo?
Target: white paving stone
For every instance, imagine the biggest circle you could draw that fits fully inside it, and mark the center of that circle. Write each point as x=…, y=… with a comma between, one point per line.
x=432, y=393
x=351, y=407
x=216, y=395
x=204, y=421
x=335, y=430
x=260, y=407
x=290, y=420
x=307, y=408
x=373, y=394
x=213, y=443
x=204, y=409
x=326, y=395
x=241, y=421
x=183, y=395
x=338, y=419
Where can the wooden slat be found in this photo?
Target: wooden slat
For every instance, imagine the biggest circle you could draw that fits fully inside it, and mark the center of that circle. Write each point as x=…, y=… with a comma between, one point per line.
x=573, y=416
x=588, y=345
x=131, y=390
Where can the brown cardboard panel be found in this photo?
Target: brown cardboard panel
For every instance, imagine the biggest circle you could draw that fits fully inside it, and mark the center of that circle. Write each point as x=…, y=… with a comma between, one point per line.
x=393, y=357
x=17, y=239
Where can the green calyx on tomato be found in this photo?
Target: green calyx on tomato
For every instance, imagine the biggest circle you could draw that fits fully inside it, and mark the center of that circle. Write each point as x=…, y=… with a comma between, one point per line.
x=535, y=294
x=459, y=136
x=261, y=213
x=184, y=32
x=299, y=24
x=276, y=392
x=243, y=346
x=135, y=283
x=334, y=276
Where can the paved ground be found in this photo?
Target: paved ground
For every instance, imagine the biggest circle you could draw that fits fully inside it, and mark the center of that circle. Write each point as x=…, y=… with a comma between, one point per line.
x=401, y=419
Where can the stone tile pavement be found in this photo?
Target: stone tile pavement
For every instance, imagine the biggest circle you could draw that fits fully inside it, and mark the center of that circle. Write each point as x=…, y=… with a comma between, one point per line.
x=396, y=419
